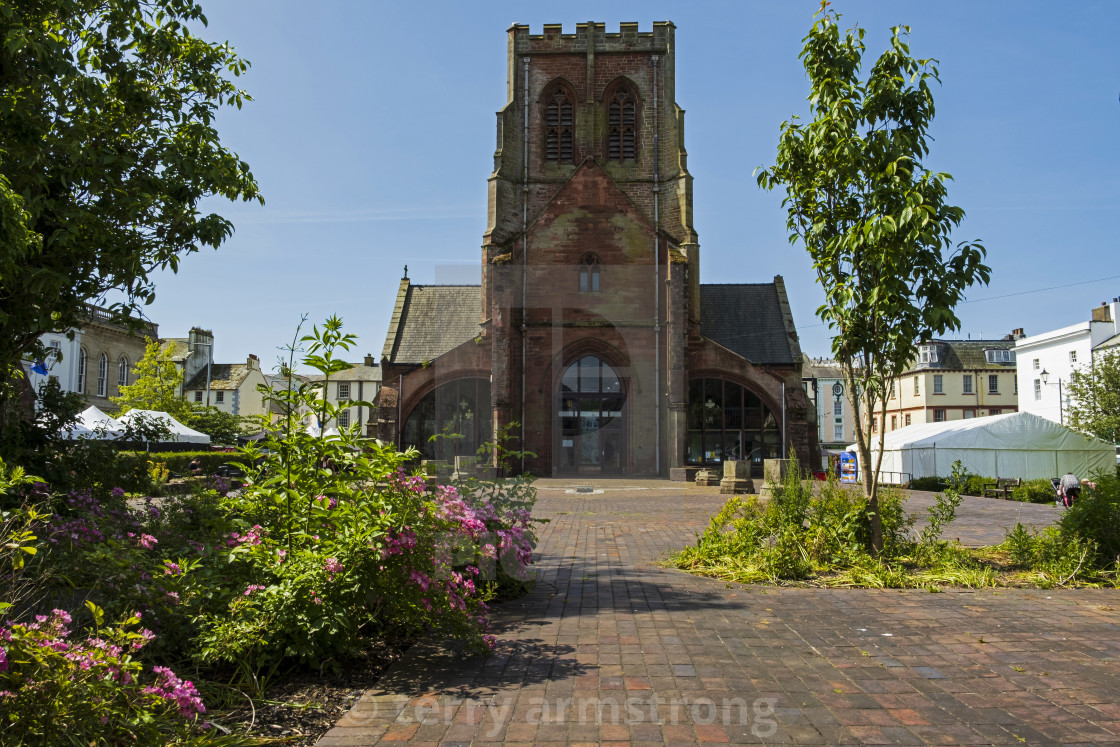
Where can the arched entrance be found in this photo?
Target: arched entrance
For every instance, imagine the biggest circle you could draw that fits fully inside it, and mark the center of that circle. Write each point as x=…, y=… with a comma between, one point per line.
x=457, y=412
x=728, y=421
x=591, y=439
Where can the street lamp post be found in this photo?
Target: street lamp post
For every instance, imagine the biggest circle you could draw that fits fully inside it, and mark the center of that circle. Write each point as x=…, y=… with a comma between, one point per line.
x=1045, y=376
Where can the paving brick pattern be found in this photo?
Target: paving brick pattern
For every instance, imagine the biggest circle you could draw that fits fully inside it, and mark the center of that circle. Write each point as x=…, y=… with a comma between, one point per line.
x=611, y=649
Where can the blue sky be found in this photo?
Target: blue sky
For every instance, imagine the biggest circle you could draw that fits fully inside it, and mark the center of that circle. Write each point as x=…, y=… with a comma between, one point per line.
x=372, y=135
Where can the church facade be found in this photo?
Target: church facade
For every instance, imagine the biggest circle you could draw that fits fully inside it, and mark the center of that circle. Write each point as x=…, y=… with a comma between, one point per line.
x=590, y=341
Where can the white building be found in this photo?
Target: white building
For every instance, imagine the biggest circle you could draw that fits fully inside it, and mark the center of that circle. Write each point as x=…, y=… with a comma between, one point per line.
x=64, y=363
x=1047, y=361
x=359, y=383
x=824, y=385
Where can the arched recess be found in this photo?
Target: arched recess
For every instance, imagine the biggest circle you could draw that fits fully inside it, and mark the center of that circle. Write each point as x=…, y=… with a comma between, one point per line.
x=458, y=411
x=727, y=420
x=591, y=428
x=558, y=108
x=623, y=108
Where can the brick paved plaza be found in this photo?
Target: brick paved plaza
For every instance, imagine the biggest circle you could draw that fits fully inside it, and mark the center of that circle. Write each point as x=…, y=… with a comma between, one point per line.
x=609, y=648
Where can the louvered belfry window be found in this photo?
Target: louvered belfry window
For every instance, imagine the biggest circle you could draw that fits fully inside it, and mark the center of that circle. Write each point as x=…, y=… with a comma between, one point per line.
x=622, y=119
x=559, y=122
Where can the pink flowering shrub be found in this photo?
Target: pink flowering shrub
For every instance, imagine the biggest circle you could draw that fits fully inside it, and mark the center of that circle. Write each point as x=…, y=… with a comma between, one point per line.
x=57, y=687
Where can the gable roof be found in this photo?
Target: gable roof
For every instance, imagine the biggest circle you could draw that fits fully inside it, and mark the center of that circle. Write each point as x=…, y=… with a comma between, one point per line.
x=430, y=320
x=748, y=319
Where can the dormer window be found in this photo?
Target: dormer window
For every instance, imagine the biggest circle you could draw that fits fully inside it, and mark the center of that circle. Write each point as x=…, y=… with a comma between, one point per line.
x=928, y=353
x=589, y=273
x=1000, y=356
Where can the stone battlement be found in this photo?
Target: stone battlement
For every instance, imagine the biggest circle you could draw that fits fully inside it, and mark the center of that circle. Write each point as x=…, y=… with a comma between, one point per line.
x=627, y=38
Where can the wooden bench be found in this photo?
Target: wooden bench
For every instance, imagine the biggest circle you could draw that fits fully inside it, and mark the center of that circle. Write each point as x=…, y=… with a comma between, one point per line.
x=1002, y=485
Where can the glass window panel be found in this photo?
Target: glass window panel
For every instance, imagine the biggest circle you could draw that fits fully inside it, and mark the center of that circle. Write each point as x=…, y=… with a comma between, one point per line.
x=610, y=380
x=589, y=448
x=732, y=445
x=713, y=404
x=570, y=381
x=612, y=451
x=695, y=447
x=696, y=406
x=732, y=406
x=589, y=408
x=752, y=410
x=589, y=374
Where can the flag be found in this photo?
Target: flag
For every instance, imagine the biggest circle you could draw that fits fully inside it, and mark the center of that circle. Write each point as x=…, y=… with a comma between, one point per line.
x=39, y=368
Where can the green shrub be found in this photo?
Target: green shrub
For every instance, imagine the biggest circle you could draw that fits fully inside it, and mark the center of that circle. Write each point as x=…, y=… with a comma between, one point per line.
x=1095, y=516
x=59, y=688
x=1034, y=491
x=178, y=462
x=931, y=483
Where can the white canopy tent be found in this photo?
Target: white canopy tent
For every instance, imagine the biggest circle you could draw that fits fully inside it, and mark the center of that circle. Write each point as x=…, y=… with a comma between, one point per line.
x=178, y=432
x=1018, y=444
x=93, y=423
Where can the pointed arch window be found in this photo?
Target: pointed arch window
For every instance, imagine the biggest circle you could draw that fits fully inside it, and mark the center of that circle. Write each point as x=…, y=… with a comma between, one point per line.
x=589, y=273
x=122, y=371
x=622, y=125
x=559, y=118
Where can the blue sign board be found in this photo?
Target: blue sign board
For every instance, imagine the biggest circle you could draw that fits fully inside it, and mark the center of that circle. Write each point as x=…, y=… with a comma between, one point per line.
x=848, y=467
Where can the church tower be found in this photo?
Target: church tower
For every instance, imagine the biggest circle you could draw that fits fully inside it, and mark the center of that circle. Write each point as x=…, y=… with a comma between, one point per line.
x=590, y=206
x=590, y=342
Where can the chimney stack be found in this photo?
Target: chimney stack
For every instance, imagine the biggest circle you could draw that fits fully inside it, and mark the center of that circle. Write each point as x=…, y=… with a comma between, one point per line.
x=369, y=360
x=253, y=362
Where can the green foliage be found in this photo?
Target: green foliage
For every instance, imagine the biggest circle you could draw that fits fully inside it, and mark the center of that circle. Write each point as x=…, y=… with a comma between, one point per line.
x=874, y=220
x=1094, y=395
x=108, y=145
x=941, y=514
x=807, y=528
x=59, y=688
x=1033, y=491
x=155, y=386
x=222, y=427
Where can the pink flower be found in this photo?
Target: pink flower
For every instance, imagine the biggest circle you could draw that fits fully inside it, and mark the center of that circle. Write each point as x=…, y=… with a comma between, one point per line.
x=333, y=566
x=147, y=541
x=253, y=587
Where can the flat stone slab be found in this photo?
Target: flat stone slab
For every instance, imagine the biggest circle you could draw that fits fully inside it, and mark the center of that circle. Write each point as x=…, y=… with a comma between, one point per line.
x=610, y=648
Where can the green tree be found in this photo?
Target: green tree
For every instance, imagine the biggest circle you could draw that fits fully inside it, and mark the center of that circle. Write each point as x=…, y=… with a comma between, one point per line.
x=1094, y=397
x=156, y=386
x=222, y=427
x=107, y=146
x=874, y=220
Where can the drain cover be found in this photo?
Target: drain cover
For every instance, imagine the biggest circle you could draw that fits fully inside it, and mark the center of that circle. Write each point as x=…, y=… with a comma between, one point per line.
x=585, y=489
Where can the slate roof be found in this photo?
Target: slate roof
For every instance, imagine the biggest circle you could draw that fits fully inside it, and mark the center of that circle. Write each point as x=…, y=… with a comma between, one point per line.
x=222, y=376
x=356, y=372
x=178, y=347
x=967, y=355
x=747, y=319
x=434, y=319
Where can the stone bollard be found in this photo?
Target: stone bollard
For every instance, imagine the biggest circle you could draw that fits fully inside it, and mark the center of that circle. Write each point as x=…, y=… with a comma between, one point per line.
x=464, y=467
x=708, y=478
x=774, y=472
x=736, y=478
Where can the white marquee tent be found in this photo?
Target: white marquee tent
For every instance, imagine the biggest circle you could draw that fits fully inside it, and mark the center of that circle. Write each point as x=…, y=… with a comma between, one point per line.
x=93, y=423
x=1018, y=444
x=178, y=432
